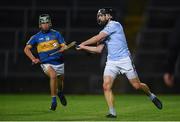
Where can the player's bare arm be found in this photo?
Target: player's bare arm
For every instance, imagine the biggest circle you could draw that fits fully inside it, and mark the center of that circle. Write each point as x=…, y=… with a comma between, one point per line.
x=27, y=51
x=93, y=49
x=95, y=39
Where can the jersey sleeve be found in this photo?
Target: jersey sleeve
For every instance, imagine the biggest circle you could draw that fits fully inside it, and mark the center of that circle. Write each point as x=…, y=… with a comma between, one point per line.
x=109, y=29
x=32, y=41
x=60, y=38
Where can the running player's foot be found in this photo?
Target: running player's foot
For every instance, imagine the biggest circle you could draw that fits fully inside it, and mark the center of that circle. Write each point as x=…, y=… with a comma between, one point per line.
x=157, y=102
x=62, y=98
x=111, y=116
x=53, y=106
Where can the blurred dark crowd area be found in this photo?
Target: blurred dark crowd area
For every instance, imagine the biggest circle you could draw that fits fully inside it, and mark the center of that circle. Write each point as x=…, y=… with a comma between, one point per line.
x=155, y=52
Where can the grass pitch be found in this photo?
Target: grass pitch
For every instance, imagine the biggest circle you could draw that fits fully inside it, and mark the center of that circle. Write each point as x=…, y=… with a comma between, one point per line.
x=87, y=107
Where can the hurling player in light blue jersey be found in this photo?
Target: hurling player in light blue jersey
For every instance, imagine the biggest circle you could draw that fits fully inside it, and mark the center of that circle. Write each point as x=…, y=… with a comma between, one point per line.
x=47, y=41
x=118, y=60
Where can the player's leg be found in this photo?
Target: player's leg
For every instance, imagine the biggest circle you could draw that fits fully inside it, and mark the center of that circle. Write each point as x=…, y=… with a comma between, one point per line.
x=110, y=73
x=128, y=68
x=136, y=83
x=60, y=82
x=53, y=80
x=53, y=86
x=60, y=92
x=107, y=86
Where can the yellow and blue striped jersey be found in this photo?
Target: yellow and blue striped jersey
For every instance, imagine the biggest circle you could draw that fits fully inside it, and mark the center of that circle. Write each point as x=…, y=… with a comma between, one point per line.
x=47, y=43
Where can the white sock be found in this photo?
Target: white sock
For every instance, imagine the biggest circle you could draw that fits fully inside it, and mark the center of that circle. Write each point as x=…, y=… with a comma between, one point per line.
x=112, y=111
x=152, y=96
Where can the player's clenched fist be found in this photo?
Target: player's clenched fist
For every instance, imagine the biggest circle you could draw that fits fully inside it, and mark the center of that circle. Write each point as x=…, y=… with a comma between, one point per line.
x=35, y=60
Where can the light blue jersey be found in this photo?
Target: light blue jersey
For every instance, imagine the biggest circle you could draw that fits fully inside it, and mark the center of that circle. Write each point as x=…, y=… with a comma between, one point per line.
x=116, y=41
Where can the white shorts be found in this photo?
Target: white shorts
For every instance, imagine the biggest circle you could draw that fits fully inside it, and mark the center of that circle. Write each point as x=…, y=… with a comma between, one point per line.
x=58, y=68
x=122, y=66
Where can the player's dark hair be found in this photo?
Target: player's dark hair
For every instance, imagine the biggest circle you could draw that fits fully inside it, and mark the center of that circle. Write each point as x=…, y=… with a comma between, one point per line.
x=106, y=10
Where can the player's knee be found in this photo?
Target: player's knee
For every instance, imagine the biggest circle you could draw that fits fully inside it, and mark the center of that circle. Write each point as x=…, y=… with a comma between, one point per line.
x=137, y=86
x=106, y=87
x=53, y=76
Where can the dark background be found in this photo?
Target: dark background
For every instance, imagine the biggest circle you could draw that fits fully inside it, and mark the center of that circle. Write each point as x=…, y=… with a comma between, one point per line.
x=148, y=25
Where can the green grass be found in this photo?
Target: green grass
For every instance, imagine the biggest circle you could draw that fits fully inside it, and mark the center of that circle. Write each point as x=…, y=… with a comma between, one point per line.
x=87, y=107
